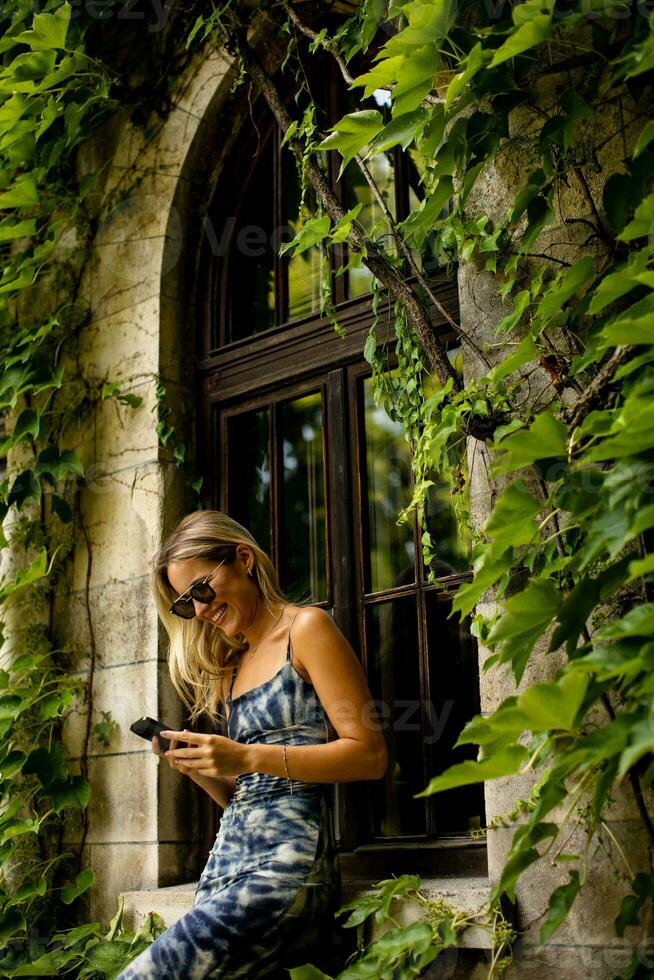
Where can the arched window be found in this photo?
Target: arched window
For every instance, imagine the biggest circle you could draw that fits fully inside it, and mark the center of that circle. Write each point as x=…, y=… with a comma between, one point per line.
x=298, y=451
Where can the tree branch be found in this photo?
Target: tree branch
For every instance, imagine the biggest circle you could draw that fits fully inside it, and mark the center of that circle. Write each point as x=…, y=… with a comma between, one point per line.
x=406, y=251
x=574, y=416
x=328, y=44
x=389, y=277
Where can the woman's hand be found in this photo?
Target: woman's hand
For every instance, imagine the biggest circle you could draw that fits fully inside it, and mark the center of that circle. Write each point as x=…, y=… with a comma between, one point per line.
x=156, y=748
x=206, y=755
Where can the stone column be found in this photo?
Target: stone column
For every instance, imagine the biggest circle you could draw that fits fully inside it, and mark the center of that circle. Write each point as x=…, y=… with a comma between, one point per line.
x=586, y=945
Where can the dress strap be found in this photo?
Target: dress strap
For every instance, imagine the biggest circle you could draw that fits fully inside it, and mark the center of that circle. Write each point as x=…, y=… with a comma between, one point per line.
x=231, y=686
x=289, y=659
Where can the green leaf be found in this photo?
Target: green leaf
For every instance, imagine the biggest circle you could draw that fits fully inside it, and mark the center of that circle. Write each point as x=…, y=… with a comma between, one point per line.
x=524, y=619
x=401, y=129
x=619, y=282
x=642, y=224
x=23, y=193
x=47, y=766
x=28, y=890
x=26, y=576
x=512, y=521
x=72, y=792
x=415, y=79
x=341, y=229
x=312, y=231
x=525, y=352
x=565, y=287
x=13, y=762
x=10, y=229
x=527, y=36
x=308, y=972
x=546, y=438
x=473, y=61
x=641, y=742
x=27, y=424
x=630, y=908
x=506, y=762
x=645, y=138
x=83, y=881
x=352, y=133
x=425, y=217
x=109, y=958
x=634, y=326
x=48, y=30
x=11, y=923
x=380, y=76
x=486, y=574
x=637, y=622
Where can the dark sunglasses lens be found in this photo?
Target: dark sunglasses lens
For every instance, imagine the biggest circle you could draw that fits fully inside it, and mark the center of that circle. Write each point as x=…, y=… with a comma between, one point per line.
x=183, y=608
x=203, y=592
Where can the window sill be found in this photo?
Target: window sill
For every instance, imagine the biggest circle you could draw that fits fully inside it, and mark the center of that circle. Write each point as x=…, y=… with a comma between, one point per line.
x=463, y=894
x=460, y=857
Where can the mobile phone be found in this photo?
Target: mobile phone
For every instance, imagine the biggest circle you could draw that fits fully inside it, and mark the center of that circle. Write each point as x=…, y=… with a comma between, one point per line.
x=148, y=727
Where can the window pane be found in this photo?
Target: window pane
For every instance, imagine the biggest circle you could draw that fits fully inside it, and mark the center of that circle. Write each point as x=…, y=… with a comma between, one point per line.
x=394, y=681
x=452, y=549
x=248, y=497
x=391, y=551
x=303, y=548
x=454, y=684
x=371, y=215
x=305, y=271
x=250, y=271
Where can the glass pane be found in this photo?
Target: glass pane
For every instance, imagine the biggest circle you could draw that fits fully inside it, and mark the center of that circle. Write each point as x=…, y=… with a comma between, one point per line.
x=391, y=551
x=303, y=549
x=305, y=271
x=248, y=468
x=371, y=215
x=394, y=681
x=452, y=549
x=251, y=264
x=454, y=685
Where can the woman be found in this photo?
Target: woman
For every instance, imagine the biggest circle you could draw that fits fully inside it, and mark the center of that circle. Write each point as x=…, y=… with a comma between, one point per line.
x=271, y=884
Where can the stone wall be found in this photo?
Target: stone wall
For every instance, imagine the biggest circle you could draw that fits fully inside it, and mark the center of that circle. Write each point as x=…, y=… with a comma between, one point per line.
x=142, y=832
x=586, y=945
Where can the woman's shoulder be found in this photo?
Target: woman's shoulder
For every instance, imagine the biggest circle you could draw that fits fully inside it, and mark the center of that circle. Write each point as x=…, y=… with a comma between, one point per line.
x=303, y=618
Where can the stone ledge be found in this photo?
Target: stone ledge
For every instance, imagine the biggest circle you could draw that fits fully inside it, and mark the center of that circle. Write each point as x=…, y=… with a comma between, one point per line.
x=469, y=894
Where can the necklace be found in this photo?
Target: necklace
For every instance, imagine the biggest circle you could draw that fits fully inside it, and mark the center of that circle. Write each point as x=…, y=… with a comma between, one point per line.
x=252, y=652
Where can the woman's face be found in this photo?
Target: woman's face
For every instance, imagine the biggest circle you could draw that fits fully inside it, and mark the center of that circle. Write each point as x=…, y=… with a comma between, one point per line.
x=235, y=606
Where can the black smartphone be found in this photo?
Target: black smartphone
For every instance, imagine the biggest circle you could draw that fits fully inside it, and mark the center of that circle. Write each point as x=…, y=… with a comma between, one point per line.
x=148, y=727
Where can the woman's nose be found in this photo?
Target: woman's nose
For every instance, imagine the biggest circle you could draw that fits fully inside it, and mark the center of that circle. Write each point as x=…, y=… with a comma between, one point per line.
x=201, y=609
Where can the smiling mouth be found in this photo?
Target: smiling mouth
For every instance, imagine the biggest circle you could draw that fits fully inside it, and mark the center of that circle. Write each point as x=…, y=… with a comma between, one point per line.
x=220, y=615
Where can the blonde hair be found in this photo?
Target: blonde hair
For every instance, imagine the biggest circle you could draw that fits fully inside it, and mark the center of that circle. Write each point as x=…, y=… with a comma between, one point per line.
x=202, y=658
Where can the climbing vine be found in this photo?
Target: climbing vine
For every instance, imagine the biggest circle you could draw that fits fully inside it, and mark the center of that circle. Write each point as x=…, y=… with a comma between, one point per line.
x=558, y=399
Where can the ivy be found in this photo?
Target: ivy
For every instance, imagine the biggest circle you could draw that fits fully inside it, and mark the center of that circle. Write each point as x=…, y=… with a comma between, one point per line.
x=566, y=552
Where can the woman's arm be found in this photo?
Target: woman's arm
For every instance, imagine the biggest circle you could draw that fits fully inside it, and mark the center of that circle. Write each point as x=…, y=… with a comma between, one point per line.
x=358, y=753
x=219, y=788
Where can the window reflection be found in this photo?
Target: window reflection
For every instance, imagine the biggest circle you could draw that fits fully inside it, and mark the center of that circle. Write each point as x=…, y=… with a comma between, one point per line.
x=303, y=547
x=451, y=545
x=306, y=270
x=394, y=680
x=454, y=674
x=250, y=274
x=371, y=216
x=391, y=551
x=248, y=468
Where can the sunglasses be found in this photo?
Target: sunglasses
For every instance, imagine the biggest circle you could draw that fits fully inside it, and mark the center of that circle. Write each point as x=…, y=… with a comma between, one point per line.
x=200, y=591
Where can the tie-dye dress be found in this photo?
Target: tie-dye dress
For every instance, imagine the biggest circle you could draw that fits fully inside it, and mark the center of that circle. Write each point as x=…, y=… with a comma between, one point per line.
x=271, y=885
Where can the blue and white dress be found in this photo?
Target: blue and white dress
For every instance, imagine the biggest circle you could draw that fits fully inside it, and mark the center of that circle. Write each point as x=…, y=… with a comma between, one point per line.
x=270, y=888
